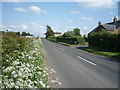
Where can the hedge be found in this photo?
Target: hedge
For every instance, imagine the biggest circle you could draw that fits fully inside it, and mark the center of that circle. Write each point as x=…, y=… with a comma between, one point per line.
x=69, y=40
x=105, y=40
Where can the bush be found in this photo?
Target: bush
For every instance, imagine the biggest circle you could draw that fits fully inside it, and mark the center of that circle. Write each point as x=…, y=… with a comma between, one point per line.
x=80, y=40
x=69, y=40
x=52, y=38
x=105, y=40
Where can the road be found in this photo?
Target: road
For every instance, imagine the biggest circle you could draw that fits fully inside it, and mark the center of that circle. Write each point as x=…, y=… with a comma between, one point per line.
x=79, y=69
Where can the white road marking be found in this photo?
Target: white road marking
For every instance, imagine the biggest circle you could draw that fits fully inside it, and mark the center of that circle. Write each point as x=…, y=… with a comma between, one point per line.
x=61, y=48
x=87, y=61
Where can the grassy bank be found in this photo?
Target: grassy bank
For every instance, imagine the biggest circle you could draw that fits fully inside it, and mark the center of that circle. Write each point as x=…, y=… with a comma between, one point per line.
x=66, y=44
x=115, y=55
x=23, y=63
x=73, y=45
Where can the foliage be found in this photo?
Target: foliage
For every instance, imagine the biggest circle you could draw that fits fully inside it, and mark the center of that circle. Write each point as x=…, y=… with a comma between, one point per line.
x=49, y=32
x=80, y=40
x=68, y=40
x=69, y=37
x=23, y=65
x=25, y=34
x=105, y=40
x=77, y=31
x=18, y=33
x=85, y=38
x=69, y=34
x=52, y=38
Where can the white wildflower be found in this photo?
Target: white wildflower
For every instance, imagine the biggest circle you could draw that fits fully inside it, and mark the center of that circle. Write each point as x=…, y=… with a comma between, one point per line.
x=15, y=75
x=27, y=65
x=16, y=86
x=53, y=81
x=59, y=83
x=15, y=62
x=29, y=86
x=43, y=85
x=44, y=71
x=43, y=75
x=39, y=72
x=13, y=72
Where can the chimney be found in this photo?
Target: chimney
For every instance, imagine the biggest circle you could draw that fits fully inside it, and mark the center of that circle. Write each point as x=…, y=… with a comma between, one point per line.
x=99, y=23
x=114, y=19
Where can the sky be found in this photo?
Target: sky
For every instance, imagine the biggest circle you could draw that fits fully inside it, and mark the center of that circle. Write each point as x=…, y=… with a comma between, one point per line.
x=61, y=16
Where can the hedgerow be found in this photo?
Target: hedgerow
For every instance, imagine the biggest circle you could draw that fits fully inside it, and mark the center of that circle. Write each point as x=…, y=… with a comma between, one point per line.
x=105, y=40
x=23, y=65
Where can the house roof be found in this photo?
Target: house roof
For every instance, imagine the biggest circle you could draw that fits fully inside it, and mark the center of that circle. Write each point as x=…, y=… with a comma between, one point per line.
x=108, y=26
x=57, y=32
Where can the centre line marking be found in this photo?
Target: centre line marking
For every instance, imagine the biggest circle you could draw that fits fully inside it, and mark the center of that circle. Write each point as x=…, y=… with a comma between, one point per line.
x=87, y=61
x=61, y=48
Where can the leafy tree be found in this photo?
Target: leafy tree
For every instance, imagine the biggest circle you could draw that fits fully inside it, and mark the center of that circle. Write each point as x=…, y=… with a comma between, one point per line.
x=80, y=40
x=49, y=32
x=24, y=34
x=85, y=38
x=77, y=31
x=18, y=33
x=69, y=34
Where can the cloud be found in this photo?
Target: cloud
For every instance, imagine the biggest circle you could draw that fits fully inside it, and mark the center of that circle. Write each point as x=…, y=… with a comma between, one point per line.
x=20, y=9
x=33, y=24
x=111, y=13
x=35, y=9
x=12, y=26
x=44, y=11
x=74, y=12
x=70, y=21
x=85, y=28
x=69, y=27
x=98, y=5
x=2, y=26
x=11, y=0
x=24, y=27
x=33, y=28
x=87, y=18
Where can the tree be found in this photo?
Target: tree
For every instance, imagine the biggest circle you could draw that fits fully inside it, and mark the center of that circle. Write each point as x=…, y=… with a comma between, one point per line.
x=49, y=32
x=77, y=31
x=24, y=34
x=85, y=38
x=69, y=34
x=18, y=33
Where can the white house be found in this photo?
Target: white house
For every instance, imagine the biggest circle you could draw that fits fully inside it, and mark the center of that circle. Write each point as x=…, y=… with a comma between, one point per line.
x=57, y=33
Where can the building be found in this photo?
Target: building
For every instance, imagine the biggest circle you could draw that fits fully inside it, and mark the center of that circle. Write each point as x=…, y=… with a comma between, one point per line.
x=57, y=33
x=113, y=27
x=30, y=36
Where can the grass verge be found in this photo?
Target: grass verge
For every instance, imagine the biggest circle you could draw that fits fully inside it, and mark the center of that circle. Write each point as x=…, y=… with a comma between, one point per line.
x=115, y=55
x=66, y=44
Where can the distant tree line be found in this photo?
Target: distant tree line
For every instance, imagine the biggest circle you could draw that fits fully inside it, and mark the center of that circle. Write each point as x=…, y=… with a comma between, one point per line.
x=16, y=33
x=70, y=37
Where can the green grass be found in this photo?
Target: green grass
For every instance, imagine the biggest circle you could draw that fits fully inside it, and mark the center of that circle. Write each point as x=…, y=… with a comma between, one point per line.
x=115, y=55
x=66, y=44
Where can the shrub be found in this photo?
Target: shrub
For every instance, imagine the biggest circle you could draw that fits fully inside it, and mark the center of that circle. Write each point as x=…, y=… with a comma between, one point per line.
x=52, y=38
x=105, y=40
